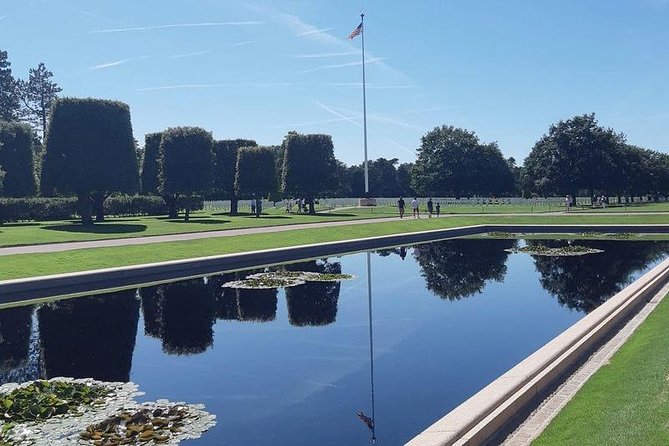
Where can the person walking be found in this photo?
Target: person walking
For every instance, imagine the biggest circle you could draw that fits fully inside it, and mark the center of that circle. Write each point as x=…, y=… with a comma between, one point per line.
x=400, y=206
x=438, y=209
x=430, y=207
x=414, y=206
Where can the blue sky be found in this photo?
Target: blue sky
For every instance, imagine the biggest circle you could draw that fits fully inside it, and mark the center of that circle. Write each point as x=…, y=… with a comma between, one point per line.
x=257, y=69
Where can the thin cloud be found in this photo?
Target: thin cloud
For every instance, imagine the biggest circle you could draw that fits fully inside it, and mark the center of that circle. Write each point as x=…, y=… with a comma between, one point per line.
x=226, y=85
x=314, y=31
x=299, y=26
x=324, y=55
x=3, y=17
x=341, y=65
x=372, y=86
x=244, y=43
x=333, y=111
x=196, y=53
x=116, y=63
x=339, y=115
x=424, y=110
x=88, y=13
x=176, y=25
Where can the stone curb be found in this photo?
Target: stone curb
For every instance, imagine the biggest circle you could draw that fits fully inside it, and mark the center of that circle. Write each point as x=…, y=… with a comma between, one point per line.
x=482, y=416
x=74, y=284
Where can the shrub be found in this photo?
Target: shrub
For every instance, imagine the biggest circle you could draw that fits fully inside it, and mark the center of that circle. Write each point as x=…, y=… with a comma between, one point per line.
x=37, y=209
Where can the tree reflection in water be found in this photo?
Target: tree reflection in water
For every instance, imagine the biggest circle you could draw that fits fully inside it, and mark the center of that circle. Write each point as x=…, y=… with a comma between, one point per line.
x=459, y=268
x=314, y=303
x=91, y=337
x=181, y=314
x=582, y=283
x=15, y=328
x=242, y=304
x=257, y=305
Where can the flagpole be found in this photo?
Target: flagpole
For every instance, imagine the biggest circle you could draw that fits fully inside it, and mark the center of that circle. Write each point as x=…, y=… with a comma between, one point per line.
x=371, y=343
x=364, y=103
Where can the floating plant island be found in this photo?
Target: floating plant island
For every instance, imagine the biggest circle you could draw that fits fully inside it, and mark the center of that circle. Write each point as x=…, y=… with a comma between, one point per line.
x=66, y=411
x=284, y=279
x=563, y=251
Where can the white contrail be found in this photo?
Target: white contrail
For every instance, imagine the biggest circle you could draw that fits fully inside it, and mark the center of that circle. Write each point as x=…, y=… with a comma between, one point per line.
x=115, y=63
x=175, y=25
x=321, y=55
x=196, y=53
x=336, y=113
x=314, y=31
x=340, y=65
x=357, y=124
x=246, y=42
x=372, y=86
x=228, y=85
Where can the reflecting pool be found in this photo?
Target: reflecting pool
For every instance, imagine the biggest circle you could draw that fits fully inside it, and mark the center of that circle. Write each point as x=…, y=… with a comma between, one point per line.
x=295, y=366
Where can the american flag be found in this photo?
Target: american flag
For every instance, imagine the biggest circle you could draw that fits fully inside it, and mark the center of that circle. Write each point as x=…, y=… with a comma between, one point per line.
x=356, y=32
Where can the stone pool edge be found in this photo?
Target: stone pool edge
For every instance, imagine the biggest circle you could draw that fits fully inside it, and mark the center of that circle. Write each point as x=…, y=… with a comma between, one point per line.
x=487, y=413
x=34, y=289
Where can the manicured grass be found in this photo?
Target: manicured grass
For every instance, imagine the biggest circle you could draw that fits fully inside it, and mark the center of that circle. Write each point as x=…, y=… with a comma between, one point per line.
x=30, y=233
x=627, y=401
x=27, y=265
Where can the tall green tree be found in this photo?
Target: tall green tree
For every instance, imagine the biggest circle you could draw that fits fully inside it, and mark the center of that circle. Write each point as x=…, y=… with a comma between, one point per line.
x=404, y=172
x=383, y=181
x=576, y=154
x=37, y=95
x=309, y=166
x=256, y=172
x=9, y=97
x=452, y=161
x=16, y=155
x=151, y=163
x=187, y=164
x=225, y=169
x=90, y=152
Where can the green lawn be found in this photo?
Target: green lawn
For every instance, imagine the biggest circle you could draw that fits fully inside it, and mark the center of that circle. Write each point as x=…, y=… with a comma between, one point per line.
x=29, y=233
x=27, y=265
x=627, y=401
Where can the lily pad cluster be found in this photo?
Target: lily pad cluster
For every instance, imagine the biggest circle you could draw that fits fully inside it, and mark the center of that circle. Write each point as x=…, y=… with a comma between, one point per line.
x=41, y=400
x=284, y=279
x=569, y=250
x=158, y=424
x=66, y=411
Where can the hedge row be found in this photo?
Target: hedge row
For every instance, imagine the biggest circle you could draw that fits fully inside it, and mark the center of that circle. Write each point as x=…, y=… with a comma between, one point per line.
x=24, y=209
x=44, y=209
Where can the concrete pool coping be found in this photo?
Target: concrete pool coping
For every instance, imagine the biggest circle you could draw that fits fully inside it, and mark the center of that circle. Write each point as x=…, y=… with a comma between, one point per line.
x=33, y=289
x=489, y=412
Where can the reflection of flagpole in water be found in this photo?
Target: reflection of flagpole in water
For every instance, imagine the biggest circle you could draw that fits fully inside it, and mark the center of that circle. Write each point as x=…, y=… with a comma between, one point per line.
x=371, y=342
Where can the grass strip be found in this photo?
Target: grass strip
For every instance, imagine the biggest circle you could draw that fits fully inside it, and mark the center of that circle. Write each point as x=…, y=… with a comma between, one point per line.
x=28, y=265
x=627, y=401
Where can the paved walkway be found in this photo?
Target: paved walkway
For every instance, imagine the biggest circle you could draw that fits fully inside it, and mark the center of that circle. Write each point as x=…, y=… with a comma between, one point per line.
x=70, y=246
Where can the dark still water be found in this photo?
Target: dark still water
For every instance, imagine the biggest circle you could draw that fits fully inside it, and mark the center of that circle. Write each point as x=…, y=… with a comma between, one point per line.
x=293, y=366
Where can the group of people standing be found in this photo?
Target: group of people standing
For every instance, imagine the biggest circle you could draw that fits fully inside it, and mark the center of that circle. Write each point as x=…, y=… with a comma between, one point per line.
x=415, y=206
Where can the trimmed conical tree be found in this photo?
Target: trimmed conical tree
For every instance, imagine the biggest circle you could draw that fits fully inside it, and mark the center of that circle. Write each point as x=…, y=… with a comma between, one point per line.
x=90, y=152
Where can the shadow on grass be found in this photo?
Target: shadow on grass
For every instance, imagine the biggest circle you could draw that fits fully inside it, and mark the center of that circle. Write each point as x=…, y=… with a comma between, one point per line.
x=20, y=225
x=329, y=214
x=266, y=216
x=199, y=221
x=104, y=228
